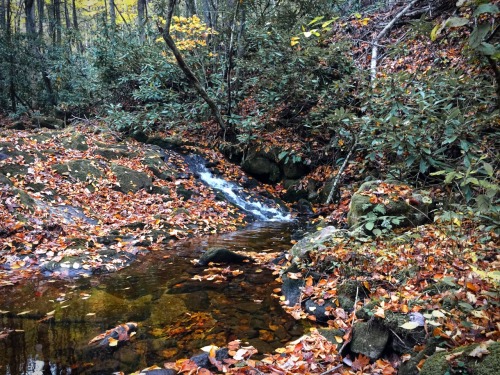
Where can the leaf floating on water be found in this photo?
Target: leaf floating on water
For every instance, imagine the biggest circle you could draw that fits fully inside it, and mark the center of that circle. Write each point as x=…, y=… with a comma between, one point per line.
x=4, y=312
x=90, y=314
x=112, y=341
x=51, y=313
x=24, y=313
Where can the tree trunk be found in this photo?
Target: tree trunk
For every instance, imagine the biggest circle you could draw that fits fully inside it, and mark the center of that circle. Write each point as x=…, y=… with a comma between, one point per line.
x=191, y=8
x=57, y=21
x=75, y=26
x=52, y=27
x=40, y=6
x=2, y=15
x=191, y=77
x=141, y=19
x=66, y=15
x=208, y=15
x=112, y=13
x=29, y=10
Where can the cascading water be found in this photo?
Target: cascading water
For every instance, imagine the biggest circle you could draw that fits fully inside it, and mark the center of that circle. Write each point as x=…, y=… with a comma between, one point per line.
x=237, y=195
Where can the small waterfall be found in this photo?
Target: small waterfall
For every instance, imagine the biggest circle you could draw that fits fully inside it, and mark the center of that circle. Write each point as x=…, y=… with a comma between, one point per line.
x=263, y=211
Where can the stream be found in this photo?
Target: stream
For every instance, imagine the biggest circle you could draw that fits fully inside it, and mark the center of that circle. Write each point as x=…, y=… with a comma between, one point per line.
x=48, y=323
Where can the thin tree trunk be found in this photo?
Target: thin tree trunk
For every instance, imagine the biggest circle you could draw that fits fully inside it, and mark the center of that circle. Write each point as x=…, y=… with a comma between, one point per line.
x=191, y=77
x=207, y=13
x=40, y=6
x=75, y=26
x=66, y=15
x=57, y=18
x=52, y=27
x=229, y=65
x=3, y=21
x=112, y=13
x=191, y=8
x=141, y=20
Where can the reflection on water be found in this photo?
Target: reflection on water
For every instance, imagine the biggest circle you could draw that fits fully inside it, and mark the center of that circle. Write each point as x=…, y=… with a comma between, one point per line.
x=176, y=315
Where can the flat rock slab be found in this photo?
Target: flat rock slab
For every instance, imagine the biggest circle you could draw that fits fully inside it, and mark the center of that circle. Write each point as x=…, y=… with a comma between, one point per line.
x=222, y=256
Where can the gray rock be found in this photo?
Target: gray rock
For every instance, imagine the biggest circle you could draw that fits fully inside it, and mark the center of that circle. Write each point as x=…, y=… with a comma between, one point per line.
x=113, y=153
x=79, y=169
x=129, y=180
x=76, y=142
x=369, y=339
x=295, y=170
x=221, y=255
x=315, y=241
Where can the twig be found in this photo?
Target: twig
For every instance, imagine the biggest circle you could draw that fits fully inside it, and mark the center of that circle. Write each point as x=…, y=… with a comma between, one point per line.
x=386, y=29
x=332, y=369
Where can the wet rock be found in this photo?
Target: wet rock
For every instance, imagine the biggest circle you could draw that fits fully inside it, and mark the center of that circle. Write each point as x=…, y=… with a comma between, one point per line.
x=128, y=356
x=369, y=338
x=293, y=192
x=129, y=180
x=331, y=333
x=80, y=169
x=411, y=211
x=221, y=255
x=489, y=364
x=262, y=169
x=197, y=301
x=291, y=289
x=203, y=361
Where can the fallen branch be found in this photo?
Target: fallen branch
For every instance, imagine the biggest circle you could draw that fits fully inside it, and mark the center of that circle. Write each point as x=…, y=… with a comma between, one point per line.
x=385, y=30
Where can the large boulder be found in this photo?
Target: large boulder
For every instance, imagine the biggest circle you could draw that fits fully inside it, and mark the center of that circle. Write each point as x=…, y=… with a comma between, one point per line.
x=262, y=168
x=131, y=181
x=295, y=170
x=79, y=169
x=484, y=360
x=379, y=205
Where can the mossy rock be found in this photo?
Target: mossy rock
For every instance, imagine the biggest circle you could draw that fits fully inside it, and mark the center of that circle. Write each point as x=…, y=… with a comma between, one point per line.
x=166, y=142
x=129, y=180
x=79, y=169
x=155, y=163
x=114, y=153
x=4, y=180
x=76, y=142
x=489, y=364
x=295, y=170
x=407, y=214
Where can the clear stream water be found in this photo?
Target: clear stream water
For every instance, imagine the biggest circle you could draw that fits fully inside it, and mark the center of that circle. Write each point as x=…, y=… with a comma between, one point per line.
x=176, y=314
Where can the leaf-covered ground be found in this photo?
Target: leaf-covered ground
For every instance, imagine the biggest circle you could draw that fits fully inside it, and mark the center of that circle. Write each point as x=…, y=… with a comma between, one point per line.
x=51, y=215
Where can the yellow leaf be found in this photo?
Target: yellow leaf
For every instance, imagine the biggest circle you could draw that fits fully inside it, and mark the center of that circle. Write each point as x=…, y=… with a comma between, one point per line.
x=409, y=325
x=112, y=341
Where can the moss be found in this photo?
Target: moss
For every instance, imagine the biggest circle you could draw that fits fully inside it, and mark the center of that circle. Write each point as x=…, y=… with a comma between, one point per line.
x=488, y=365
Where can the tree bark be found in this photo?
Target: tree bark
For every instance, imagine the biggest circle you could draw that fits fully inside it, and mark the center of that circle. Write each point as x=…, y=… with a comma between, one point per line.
x=190, y=8
x=141, y=18
x=29, y=10
x=3, y=21
x=191, y=77
x=112, y=14
x=66, y=15
x=41, y=16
